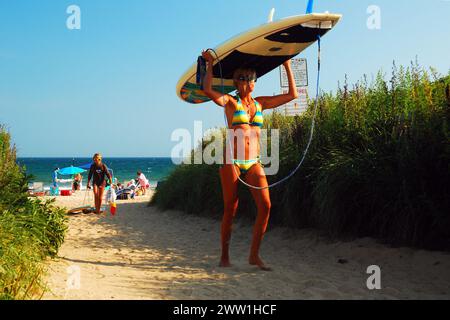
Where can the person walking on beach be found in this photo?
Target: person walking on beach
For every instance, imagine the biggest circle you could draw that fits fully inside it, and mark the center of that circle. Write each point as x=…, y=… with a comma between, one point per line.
x=143, y=182
x=99, y=172
x=245, y=118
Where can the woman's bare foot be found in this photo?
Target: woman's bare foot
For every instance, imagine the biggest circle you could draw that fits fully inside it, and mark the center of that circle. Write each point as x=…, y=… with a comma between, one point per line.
x=259, y=263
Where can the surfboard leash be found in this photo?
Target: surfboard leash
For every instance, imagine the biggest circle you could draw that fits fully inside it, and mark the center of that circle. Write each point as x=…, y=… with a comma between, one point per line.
x=313, y=123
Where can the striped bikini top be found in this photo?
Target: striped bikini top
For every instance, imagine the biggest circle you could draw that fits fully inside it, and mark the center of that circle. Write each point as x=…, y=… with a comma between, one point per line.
x=241, y=116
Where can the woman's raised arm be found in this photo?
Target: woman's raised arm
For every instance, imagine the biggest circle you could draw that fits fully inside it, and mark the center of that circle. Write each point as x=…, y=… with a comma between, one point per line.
x=272, y=102
x=219, y=98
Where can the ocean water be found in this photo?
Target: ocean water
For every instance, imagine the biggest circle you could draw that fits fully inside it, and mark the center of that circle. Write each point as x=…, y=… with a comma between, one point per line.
x=155, y=169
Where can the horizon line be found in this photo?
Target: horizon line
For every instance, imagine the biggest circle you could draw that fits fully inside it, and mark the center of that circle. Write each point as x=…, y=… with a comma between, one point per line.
x=90, y=157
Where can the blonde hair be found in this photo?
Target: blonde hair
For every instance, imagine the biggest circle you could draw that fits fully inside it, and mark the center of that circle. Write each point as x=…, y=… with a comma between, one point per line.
x=97, y=155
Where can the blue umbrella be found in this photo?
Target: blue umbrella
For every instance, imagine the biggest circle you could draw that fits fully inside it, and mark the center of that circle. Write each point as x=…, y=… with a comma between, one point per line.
x=70, y=171
x=86, y=166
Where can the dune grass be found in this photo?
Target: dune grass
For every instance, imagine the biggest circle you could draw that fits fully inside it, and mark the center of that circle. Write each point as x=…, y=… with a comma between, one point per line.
x=30, y=230
x=379, y=164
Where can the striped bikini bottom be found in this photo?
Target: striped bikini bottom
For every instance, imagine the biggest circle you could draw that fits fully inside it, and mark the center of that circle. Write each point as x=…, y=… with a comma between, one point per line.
x=245, y=165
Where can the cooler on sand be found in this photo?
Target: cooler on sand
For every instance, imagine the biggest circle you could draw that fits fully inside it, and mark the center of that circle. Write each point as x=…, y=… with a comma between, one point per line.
x=66, y=193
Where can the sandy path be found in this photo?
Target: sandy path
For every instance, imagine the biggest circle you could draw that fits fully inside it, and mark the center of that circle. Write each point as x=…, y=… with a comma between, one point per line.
x=143, y=253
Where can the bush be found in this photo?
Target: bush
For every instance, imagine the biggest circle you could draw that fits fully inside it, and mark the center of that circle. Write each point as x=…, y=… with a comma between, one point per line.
x=13, y=181
x=30, y=230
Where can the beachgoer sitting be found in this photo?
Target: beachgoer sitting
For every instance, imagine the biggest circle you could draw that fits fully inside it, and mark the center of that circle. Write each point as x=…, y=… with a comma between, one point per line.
x=76, y=186
x=131, y=184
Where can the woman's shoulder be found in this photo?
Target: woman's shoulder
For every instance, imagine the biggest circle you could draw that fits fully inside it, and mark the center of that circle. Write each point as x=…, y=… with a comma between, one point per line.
x=259, y=99
x=232, y=102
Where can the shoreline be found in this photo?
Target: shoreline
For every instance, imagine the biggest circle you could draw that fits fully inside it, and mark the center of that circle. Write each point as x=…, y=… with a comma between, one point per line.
x=124, y=169
x=143, y=253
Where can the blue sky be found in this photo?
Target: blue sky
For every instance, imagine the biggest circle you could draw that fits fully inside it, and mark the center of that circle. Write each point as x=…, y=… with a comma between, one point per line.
x=110, y=87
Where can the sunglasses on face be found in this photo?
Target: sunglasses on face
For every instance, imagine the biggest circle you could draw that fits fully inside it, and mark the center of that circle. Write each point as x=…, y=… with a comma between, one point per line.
x=247, y=78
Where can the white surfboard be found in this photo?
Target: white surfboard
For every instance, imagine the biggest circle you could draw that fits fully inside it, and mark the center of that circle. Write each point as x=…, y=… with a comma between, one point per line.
x=263, y=48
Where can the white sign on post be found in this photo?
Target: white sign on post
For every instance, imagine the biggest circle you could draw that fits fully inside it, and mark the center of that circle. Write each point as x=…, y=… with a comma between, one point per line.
x=300, y=71
x=297, y=106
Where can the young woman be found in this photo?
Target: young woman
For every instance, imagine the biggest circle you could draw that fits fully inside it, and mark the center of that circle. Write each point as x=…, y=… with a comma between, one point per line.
x=244, y=113
x=99, y=172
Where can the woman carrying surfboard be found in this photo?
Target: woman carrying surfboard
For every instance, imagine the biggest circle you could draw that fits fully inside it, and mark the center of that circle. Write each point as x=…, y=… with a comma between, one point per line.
x=245, y=117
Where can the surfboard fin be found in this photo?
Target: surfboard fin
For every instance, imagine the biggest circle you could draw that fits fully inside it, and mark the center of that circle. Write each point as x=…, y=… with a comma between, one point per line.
x=271, y=14
x=309, y=9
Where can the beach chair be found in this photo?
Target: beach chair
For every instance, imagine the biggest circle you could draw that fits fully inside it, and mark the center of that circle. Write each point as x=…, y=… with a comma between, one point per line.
x=125, y=194
x=36, y=189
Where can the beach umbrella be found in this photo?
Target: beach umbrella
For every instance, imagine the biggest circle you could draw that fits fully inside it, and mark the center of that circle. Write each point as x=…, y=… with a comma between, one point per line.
x=86, y=166
x=70, y=171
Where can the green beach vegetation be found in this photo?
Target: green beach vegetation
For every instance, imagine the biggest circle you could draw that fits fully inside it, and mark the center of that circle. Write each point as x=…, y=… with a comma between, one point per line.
x=30, y=230
x=379, y=165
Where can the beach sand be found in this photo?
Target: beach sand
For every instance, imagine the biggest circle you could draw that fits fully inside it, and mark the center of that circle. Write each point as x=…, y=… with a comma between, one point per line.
x=143, y=253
